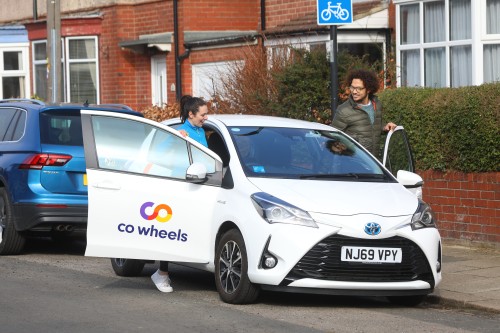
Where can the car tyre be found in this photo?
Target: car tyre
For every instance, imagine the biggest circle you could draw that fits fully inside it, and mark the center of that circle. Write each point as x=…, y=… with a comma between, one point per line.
x=231, y=270
x=127, y=267
x=406, y=300
x=11, y=241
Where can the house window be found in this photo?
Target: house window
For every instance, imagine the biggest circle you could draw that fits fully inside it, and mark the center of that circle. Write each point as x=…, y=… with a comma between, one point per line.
x=434, y=22
x=448, y=43
x=491, y=49
x=79, y=68
x=410, y=25
x=493, y=16
x=82, y=69
x=13, y=73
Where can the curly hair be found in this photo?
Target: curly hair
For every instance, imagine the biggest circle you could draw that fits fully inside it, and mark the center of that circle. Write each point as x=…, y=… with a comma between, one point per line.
x=369, y=78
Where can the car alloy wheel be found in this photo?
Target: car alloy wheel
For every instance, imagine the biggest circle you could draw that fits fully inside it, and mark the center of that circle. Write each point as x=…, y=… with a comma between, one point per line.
x=231, y=270
x=11, y=242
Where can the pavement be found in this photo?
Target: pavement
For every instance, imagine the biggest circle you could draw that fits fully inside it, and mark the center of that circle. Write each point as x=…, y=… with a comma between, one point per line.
x=471, y=277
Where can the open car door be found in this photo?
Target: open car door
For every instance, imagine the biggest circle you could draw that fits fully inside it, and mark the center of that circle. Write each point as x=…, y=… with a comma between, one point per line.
x=398, y=159
x=151, y=192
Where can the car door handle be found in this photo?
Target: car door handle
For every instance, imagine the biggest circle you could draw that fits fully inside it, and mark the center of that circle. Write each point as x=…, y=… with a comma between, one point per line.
x=108, y=185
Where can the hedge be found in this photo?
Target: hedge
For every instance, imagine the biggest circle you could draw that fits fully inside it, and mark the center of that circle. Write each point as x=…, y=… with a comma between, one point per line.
x=449, y=128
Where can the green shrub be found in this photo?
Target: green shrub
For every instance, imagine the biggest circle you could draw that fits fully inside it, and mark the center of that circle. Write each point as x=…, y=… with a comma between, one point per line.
x=449, y=128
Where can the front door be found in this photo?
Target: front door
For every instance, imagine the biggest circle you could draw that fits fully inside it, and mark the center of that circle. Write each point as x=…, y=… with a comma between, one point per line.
x=159, y=80
x=141, y=203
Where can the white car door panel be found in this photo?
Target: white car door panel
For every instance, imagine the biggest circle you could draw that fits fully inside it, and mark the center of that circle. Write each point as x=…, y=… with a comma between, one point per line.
x=140, y=204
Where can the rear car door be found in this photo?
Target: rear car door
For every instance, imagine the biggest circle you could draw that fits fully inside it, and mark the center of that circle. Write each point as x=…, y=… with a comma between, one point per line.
x=142, y=205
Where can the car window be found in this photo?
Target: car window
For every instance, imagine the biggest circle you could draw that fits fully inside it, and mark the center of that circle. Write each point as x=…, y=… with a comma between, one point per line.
x=61, y=128
x=131, y=146
x=302, y=153
x=398, y=153
x=12, y=124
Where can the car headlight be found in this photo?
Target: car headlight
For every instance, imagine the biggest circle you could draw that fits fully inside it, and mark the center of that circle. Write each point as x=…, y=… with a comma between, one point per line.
x=424, y=217
x=275, y=210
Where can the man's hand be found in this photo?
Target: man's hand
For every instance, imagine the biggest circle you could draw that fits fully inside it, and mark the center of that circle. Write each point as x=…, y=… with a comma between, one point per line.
x=183, y=133
x=389, y=127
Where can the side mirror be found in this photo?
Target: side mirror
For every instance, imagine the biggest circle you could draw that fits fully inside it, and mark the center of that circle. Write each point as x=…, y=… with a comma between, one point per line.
x=411, y=181
x=196, y=173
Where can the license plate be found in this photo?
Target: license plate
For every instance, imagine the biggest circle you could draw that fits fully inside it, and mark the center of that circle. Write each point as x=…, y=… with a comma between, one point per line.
x=85, y=182
x=371, y=254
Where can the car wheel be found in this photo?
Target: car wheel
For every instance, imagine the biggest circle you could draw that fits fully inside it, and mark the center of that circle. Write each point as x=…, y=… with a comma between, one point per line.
x=11, y=241
x=231, y=270
x=406, y=300
x=127, y=267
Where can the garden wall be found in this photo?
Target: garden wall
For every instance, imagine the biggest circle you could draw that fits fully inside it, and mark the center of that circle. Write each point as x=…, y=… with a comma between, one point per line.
x=467, y=205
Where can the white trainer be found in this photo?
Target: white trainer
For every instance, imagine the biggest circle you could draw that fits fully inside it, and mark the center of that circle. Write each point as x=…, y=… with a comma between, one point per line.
x=162, y=282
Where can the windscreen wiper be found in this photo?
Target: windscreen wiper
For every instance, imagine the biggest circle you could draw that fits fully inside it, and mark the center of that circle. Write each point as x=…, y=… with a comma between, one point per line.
x=350, y=175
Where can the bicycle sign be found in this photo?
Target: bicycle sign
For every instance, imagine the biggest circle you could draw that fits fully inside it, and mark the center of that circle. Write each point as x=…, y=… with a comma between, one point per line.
x=331, y=12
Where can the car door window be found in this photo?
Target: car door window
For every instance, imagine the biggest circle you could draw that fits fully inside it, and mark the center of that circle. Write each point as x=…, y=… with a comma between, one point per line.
x=130, y=146
x=397, y=152
x=12, y=124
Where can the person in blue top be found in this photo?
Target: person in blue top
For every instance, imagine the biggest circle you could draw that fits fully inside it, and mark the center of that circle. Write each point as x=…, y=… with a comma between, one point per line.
x=194, y=112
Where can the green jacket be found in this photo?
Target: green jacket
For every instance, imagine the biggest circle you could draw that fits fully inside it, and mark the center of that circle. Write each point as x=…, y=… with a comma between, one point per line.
x=355, y=122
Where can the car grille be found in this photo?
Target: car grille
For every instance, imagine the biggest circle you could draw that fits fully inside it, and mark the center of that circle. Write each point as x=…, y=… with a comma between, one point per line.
x=323, y=262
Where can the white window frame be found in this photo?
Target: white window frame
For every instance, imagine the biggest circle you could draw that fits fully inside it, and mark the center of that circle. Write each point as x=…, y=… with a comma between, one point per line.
x=69, y=62
x=16, y=47
x=478, y=39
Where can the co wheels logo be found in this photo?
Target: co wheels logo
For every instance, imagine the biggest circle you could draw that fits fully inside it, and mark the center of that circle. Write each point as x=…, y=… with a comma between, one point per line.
x=162, y=213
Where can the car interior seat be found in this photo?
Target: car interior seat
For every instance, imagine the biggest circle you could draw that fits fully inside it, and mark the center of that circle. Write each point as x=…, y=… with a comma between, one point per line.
x=75, y=133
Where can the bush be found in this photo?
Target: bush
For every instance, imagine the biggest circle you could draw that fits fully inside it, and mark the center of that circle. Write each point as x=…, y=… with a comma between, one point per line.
x=449, y=128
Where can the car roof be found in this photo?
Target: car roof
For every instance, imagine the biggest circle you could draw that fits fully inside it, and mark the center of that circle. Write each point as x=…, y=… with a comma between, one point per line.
x=231, y=120
x=40, y=106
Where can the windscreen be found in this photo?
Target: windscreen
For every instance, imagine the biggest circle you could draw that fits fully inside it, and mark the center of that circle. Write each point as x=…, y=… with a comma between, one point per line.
x=303, y=153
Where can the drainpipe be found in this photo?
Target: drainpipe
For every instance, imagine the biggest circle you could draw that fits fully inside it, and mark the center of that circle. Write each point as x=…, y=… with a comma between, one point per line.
x=35, y=10
x=178, y=92
x=263, y=15
x=178, y=58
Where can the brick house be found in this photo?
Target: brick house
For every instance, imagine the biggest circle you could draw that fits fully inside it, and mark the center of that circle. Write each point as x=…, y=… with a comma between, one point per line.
x=126, y=51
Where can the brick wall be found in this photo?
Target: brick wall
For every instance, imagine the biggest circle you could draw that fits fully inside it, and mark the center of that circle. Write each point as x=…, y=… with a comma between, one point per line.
x=125, y=75
x=467, y=205
x=279, y=12
x=215, y=15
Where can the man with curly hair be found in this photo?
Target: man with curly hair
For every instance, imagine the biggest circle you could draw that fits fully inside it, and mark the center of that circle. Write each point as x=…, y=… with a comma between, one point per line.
x=361, y=115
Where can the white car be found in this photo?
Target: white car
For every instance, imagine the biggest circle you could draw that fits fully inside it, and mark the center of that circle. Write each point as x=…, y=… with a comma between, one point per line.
x=272, y=204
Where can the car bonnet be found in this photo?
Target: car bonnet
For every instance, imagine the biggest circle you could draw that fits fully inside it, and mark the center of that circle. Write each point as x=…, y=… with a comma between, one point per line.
x=340, y=197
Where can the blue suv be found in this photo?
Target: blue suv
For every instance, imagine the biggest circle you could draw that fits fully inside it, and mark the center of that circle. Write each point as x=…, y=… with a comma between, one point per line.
x=43, y=184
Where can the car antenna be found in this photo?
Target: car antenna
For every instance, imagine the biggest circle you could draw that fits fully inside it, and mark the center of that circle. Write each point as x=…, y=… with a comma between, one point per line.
x=86, y=104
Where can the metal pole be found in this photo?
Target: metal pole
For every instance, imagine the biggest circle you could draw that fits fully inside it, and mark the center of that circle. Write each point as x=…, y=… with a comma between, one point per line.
x=334, y=69
x=53, y=51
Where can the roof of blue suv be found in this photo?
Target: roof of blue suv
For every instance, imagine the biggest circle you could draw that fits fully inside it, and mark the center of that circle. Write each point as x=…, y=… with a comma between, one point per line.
x=35, y=104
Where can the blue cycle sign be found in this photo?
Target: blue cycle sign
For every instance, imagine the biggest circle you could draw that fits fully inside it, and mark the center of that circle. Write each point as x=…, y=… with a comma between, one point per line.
x=334, y=12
